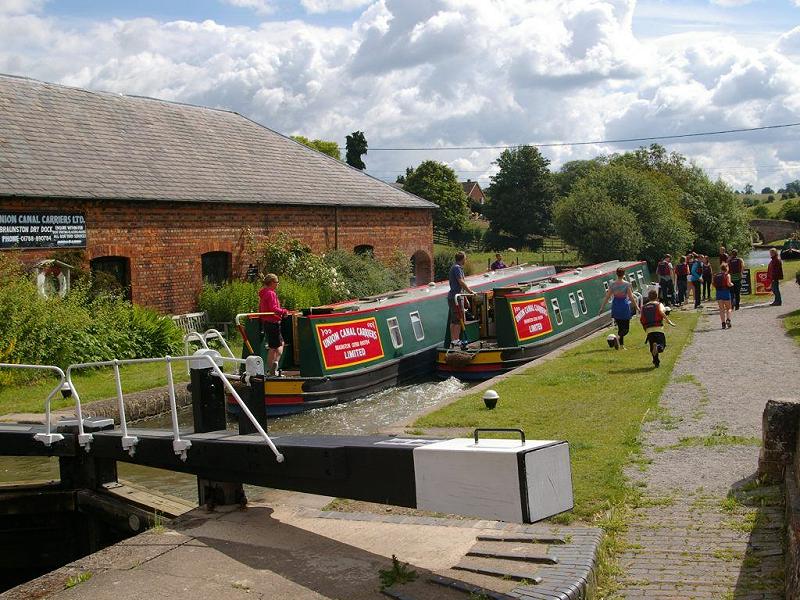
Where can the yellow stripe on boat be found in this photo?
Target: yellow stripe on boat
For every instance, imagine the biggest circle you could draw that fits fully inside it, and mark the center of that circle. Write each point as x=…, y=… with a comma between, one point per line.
x=283, y=388
x=479, y=359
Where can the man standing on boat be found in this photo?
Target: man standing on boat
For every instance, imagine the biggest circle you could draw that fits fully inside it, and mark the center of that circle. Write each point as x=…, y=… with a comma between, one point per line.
x=458, y=285
x=268, y=303
x=498, y=263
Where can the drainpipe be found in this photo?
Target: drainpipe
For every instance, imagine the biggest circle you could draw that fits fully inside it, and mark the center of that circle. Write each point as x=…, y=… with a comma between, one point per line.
x=335, y=227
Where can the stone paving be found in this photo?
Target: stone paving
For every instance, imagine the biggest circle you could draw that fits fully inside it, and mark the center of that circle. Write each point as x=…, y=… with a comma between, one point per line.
x=707, y=528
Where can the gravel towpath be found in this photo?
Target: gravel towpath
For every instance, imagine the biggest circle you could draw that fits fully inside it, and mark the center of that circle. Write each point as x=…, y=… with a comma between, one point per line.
x=706, y=528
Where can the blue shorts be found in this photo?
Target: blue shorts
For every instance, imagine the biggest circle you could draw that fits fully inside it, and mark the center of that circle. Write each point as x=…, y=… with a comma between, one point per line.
x=723, y=294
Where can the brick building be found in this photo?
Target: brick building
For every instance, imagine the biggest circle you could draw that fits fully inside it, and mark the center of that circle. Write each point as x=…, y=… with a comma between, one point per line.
x=161, y=194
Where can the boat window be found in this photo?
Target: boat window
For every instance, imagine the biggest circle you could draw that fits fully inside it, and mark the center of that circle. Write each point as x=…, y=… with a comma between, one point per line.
x=582, y=301
x=574, y=304
x=640, y=277
x=605, y=285
x=557, y=311
x=416, y=325
x=634, y=283
x=394, y=332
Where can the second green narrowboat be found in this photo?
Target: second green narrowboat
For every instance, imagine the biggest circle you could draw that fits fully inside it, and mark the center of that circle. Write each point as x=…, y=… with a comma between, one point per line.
x=516, y=324
x=346, y=351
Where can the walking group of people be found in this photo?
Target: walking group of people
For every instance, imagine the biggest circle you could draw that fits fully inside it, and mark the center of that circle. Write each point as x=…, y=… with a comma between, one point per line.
x=694, y=276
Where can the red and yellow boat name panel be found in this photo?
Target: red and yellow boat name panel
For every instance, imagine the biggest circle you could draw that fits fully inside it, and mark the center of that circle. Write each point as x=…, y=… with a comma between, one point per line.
x=531, y=318
x=349, y=343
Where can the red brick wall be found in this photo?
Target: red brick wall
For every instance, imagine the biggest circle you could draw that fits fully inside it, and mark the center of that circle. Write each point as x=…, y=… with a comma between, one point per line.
x=165, y=240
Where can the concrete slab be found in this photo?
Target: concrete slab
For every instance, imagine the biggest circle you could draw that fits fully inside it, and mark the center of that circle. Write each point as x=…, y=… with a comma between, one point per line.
x=289, y=549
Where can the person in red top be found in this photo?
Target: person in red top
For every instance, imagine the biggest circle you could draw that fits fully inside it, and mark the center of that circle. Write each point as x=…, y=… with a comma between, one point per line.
x=775, y=274
x=268, y=303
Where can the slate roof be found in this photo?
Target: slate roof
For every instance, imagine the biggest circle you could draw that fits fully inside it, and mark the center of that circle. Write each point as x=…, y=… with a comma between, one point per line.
x=64, y=142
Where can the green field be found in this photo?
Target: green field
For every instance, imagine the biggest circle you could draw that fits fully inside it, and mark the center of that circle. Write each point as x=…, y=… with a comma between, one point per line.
x=478, y=262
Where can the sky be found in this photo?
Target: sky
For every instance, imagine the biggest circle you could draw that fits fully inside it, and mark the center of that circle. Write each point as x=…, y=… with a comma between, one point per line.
x=442, y=73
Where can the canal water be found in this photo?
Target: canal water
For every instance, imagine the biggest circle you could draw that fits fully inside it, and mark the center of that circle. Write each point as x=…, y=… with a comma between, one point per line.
x=359, y=417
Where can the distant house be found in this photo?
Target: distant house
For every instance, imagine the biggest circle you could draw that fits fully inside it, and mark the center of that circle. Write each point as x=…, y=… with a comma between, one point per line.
x=162, y=196
x=474, y=192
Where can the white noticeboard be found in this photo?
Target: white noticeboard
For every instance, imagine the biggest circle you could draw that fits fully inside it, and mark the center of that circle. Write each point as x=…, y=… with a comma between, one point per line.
x=496, y=478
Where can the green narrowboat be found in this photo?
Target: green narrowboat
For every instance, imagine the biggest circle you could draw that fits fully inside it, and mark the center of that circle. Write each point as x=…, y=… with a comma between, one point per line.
x=519, y=323
x=345, y=351
x=791, y=249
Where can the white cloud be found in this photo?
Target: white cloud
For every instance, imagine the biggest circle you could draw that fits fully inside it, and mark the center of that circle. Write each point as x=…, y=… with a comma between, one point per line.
x=443, y=73
x=19, y=7
x=731, y=2
x=261, y=7
x=325, y=6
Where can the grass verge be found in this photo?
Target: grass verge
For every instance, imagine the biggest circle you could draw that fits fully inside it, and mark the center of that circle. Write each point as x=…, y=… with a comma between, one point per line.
x=92, y=384
x=596, y=399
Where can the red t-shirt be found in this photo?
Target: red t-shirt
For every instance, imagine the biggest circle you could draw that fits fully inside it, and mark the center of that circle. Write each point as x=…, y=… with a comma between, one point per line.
x=268, y=302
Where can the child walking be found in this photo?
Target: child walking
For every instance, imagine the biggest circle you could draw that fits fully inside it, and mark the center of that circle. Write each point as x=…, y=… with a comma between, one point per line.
x=652, y=319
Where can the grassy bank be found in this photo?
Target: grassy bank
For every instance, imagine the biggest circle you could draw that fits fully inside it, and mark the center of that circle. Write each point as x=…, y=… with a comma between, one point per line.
x=593, y=397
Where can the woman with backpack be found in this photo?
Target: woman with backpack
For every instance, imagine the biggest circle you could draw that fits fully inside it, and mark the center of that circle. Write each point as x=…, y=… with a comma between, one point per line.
x=723, y=284
x=708, y=273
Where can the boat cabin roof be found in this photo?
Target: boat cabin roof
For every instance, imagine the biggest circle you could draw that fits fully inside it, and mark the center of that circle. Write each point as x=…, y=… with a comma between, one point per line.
x=540, y=275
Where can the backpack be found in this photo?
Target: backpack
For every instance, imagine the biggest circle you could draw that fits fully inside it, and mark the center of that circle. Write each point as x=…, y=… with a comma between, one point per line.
x=663, y=269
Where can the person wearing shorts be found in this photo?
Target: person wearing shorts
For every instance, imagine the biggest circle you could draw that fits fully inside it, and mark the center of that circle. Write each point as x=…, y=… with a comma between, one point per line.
x=722, y=283
x=268, y=303
x=458, y=285
x=623, y=306
x=652, y=319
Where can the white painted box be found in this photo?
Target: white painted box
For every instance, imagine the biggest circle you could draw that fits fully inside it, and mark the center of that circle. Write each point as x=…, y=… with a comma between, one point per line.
x=501, y=479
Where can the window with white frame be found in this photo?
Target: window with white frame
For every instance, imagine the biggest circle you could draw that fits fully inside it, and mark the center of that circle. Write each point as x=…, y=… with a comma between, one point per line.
x=582, y=302
x=557, y=311
x=605, y=285
x=416, y=325
x=640, y=277
x=574, y=304
x=394, y=332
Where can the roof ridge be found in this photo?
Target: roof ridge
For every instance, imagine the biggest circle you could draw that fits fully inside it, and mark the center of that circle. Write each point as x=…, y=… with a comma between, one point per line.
x=116, y=94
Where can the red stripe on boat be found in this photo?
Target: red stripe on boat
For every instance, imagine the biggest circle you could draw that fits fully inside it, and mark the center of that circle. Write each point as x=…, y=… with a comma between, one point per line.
x=278, y=400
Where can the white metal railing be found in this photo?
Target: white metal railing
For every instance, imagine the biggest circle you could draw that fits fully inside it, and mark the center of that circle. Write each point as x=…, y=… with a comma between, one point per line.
x=202, y=339
x=200, y=359
x=47, y=438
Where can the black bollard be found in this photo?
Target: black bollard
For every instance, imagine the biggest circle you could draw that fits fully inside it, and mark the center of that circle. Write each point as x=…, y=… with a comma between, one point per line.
x=254, y=400
x=208, y=399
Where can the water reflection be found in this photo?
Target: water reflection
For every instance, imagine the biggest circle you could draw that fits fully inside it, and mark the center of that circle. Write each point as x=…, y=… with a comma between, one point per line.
x=359, y=417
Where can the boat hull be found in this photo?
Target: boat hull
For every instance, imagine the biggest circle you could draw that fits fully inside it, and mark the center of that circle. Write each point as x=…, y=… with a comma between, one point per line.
x=292, y=395
x=488, y=363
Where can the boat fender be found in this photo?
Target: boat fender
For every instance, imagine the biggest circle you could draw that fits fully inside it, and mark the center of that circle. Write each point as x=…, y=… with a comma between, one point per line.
x=611, y=339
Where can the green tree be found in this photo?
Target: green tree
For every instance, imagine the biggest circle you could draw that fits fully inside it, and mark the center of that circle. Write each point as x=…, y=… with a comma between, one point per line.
x=712, y=209
x=767, y=190
x=356, y=147
x=572, y=171
x=521, y=196
x=644, y=202
x=793, y=186
x=791, y=212
x=326, y=147
x=437, y=182
x=761, y=212
x=598, y=227
x=401, y=179
x=748, y=188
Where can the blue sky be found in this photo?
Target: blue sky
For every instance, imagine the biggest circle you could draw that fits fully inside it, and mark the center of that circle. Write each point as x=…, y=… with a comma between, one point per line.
x=426, y=73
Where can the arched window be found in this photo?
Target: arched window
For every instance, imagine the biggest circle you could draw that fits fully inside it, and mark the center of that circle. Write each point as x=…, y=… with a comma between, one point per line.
x=112, y=273
x=365, y=250
x=216, y=267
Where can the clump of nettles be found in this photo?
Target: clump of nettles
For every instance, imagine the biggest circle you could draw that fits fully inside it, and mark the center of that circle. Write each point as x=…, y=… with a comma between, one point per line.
x=399, y=573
